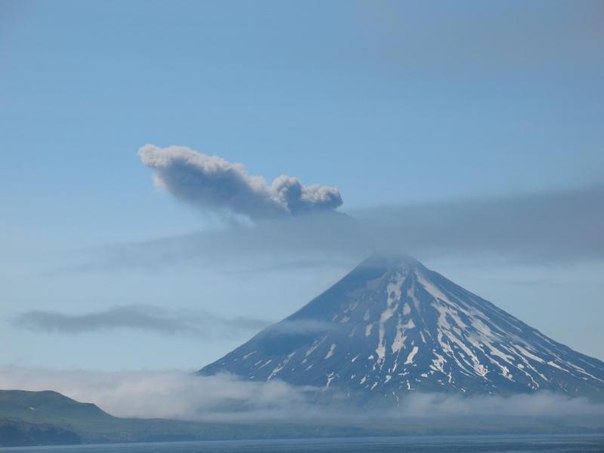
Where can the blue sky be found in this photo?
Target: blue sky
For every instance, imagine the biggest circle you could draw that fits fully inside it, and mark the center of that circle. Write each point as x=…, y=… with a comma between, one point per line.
x=392, y=102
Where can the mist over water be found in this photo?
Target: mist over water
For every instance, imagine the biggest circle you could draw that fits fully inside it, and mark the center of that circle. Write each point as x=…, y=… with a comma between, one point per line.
x=425, y=444
x=227, y=398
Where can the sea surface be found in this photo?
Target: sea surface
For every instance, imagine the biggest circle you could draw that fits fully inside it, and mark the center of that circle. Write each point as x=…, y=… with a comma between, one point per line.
x=423, y=444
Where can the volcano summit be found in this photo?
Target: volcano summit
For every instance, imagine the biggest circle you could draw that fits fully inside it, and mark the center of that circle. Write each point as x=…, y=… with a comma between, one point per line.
x=392, y=326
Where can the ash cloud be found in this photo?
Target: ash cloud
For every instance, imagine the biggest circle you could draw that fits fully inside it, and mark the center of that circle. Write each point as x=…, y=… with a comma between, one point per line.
x=213, y=183
x=139, y=317
x=543, y=228
x=555, y=226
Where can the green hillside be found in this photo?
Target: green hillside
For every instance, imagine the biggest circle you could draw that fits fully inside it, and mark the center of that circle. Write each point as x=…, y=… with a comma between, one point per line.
x=92, y=424
x=16, y=433
x=47, y=407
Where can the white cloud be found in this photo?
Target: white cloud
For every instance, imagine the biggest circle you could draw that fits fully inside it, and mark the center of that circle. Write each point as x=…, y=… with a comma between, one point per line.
x=183, y=395
x=166, y=394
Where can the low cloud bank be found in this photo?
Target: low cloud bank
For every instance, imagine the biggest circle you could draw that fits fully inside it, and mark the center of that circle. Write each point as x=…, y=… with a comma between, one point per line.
x=167, y=394
x=139, y=317
x=181, y=395
x=211, y=182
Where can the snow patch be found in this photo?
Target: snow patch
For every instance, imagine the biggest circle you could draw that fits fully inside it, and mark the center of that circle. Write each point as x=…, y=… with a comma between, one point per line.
x=411, y=356
x=330, y=378
x=331, y=351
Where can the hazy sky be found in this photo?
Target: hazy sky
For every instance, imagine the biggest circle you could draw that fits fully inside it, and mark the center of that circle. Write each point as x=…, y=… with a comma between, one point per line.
x=469, y=133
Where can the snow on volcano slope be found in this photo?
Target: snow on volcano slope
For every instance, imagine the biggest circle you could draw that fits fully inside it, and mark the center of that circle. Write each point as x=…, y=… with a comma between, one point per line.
x=392, y=326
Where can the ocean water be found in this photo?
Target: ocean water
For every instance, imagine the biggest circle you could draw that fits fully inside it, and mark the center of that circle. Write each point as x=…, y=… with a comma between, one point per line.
x=423, y=444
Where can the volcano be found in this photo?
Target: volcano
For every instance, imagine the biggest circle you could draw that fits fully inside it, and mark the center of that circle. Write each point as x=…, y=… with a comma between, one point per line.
x=392, y=326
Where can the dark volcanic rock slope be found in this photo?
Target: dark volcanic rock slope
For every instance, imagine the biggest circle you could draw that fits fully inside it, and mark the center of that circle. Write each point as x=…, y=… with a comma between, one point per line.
x=392, y=326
